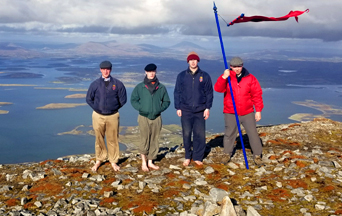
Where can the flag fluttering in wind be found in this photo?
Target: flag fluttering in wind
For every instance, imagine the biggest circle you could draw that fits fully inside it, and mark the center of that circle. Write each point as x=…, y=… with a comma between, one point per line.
x=243, y=18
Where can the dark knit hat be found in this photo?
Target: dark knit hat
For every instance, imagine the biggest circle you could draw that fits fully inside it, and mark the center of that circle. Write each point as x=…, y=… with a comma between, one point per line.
x=151, y=67
x=192, y=56
x=106, y=65
x=236, y=62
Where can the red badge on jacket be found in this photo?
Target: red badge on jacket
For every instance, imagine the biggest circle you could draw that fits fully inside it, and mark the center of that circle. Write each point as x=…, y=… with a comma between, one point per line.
x=114, y=87
x=201, y=79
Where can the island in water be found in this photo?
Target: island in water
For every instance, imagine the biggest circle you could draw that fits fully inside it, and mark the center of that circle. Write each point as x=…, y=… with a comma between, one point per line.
x=326, y=110
x=61, y=105
x=4, y=104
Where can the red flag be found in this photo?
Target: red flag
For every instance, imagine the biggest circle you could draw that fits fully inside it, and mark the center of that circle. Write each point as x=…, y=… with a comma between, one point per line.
x=243, y=18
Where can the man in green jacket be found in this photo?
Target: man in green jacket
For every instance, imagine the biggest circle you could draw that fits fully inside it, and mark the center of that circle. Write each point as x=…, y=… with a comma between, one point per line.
x=150, y=98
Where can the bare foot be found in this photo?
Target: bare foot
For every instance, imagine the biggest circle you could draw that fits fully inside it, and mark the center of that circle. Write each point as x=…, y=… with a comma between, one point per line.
x=152, y=166
x=144, y=167
x=186, y=162
x=115, y=167
x=96, y=166
x=143, y=163
x=199, y=163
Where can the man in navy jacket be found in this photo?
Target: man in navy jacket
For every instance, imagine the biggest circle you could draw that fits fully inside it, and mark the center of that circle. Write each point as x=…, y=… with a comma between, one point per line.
x=193, y=98
x=106, y=95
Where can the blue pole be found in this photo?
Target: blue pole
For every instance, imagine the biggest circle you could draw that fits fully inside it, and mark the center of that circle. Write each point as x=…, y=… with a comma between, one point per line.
x=230, y=86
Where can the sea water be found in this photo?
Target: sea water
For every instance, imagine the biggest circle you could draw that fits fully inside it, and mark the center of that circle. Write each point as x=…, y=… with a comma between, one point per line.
x=28, y=134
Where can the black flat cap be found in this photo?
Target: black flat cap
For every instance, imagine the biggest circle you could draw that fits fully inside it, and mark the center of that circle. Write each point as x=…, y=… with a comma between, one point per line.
x=151, y=67
x=106, y=65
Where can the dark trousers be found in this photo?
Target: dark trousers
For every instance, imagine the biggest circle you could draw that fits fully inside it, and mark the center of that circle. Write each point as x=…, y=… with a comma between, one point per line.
x=193, y=124
x=231, y=130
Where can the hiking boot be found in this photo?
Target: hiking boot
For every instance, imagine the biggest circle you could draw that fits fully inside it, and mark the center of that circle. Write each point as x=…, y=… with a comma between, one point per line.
x=258, y=160
x=225, y=159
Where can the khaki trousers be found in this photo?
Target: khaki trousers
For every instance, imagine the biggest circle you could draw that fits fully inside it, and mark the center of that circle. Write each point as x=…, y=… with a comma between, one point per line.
x=149, y=135
x=106, y=126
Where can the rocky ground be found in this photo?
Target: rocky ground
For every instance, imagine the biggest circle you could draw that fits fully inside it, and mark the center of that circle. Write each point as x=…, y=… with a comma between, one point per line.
x=302, y=175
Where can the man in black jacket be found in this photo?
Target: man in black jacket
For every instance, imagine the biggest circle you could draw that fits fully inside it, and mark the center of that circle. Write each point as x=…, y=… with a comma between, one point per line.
x=106, y=95
x=193, y=96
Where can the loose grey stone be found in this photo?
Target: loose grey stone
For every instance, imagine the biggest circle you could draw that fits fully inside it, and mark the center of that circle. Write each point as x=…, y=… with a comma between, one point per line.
x=319, y=207
x=233, y=165
x=155, y=180
x=230, y=172
x=211, y=209
x=38, y=204
x=227, y=207
x=200, y=182
x=108, y=194
x=6, y=188
x=191, y=198
x=23, y=201
x=308, y=198
x=175, y=167
x=26, y=213
x=10, y=177
x=186, y=186
x=56, y=172
x=209, y=170
x=37, y=176
x=116, y=183
x=252, y=212
x=336, y=165
x=142, y=185
x=217, y=194
x=131, y=169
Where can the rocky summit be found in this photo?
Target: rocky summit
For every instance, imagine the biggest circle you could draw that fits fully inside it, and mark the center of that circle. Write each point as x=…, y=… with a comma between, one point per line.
x=301, y=175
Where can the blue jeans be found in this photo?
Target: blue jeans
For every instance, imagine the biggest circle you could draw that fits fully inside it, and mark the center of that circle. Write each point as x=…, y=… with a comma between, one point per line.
x=193, y=125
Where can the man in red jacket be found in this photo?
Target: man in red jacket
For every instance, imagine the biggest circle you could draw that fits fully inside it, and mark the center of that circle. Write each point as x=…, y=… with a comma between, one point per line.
x=248, y=96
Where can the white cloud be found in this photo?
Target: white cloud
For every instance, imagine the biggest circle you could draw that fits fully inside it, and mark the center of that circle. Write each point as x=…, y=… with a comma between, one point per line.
x=190, y=17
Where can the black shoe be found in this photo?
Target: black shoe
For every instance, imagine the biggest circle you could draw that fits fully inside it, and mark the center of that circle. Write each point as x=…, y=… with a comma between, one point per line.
x=225, y=159
x=258, y=160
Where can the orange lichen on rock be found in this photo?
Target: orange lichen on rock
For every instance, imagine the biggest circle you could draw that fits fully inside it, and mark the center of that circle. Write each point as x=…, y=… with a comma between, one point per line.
x=177, y=183
x=107, y=201
x=279, y=195
x=105, y=189
x=28, y=205
x=143, y=203
x=280, y=141
x=338, y=212
x=262, y=134
x=298, y=157
x=300, y=164
x=294, y=125
x=285, y=152
x=53, y=161
x=297, y=184
x=49, y=188
x=171, y=193
x=171, y=176
x=73, y=171
x=223, y=186
x=294, y=143
x=275, y=142
x=12, y=202
x=273, y=157
x=214, y=176
x=272, y=176
x=218, y=167
x=109, y=181
x=328, y=188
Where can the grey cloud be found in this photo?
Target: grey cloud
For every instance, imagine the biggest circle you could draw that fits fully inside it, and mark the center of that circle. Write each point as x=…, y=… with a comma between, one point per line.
x=188, y=17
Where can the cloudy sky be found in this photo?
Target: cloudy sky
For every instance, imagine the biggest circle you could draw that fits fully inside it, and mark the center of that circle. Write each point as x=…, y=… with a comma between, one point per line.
x=164, y=21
